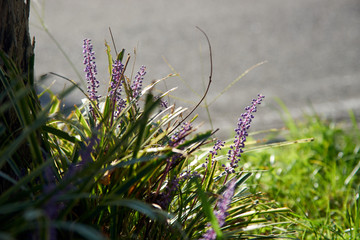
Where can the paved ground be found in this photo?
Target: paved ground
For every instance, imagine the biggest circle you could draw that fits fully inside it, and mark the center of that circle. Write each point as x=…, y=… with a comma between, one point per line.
x=312, y=49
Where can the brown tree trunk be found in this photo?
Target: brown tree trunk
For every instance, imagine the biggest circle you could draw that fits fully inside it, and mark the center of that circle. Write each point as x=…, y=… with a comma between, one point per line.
x=16, y=45
x=14, y=31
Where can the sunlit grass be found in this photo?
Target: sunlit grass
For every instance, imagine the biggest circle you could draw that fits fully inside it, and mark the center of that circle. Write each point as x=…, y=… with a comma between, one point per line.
x=319, y=181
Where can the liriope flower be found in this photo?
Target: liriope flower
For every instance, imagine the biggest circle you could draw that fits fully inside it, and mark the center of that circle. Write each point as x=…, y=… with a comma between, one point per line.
x=137, y=84
x=116, y=87
x=179, y=137
x=223, y=205
x=91, y=72
x=53, y=206
x=217, y=147
x=241, y=131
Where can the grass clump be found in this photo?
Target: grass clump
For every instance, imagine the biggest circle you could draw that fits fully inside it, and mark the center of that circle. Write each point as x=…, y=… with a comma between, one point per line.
x=318, y=181
x=123, y=166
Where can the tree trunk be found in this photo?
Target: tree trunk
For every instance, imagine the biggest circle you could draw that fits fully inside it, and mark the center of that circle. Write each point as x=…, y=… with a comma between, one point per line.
x=16, y=45
x=14, y=32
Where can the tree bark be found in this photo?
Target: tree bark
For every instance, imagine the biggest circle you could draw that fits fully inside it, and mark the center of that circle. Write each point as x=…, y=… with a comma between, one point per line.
x=16, y=44
x=14, y=32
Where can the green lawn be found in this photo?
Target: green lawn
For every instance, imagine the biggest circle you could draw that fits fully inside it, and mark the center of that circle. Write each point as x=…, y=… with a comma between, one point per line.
x=317, y=180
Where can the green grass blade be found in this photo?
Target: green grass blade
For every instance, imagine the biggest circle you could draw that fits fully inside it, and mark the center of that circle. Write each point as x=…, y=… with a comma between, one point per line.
x=235, y=81
x=150, y=105
x=142, y=207
x=28, y=131
x=23, y=182
x=208, y=211
x=59, y=133
x=85, y=231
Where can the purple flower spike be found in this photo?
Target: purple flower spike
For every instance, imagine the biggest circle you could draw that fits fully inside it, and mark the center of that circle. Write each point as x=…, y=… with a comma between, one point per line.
x=115, y=77
x=224, y=203
x=163, y=103
x=52, y=207
x=236, y=149
x=137, y=84
x=116, y=87
x=221, y=213
x=90, y=69
x=179, y=137
x=217, y=147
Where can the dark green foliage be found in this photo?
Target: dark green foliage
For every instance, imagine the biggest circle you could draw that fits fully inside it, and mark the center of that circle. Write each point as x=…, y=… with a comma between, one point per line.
x=93, y=176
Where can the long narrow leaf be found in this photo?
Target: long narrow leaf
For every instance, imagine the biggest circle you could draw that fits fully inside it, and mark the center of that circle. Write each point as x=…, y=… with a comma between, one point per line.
x=208, y=211
x=85, y=231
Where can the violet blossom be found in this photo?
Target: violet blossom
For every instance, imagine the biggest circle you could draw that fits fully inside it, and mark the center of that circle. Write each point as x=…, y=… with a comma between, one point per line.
x=172, y=186
x=53, y=206
x=221, y=214
x=116, y=87
x=162, y=103
x=236, y=149
x=137, y=84
x=217, y=146
x=179, y=137
x=91, y=72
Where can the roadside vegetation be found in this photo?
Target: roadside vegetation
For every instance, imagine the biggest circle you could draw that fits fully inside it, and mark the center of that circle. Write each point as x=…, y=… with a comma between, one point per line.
x=127, y=165
x=131, y=164
x=319, y=181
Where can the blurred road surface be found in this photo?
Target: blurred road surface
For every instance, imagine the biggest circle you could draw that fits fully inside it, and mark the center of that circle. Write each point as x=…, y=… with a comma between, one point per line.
x=312, y=49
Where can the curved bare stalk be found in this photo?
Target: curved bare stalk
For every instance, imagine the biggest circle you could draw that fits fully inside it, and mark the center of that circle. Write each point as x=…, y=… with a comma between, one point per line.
x=208, y=86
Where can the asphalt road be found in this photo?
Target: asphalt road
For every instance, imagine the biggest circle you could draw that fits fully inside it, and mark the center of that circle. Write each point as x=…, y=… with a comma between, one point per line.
x=311, y=49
